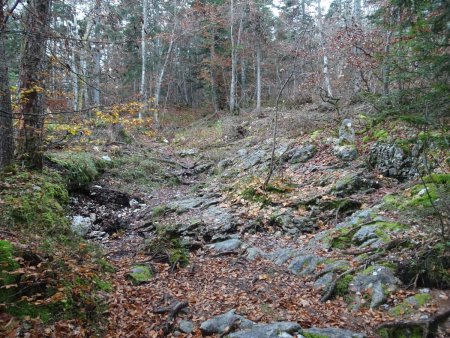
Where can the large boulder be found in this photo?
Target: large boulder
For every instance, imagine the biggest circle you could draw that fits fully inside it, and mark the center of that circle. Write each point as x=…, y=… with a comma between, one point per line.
x=304, y=265
x=393, y=161
x=300, y=154
x=377, y=281
x=272, y=330
x=219, y=324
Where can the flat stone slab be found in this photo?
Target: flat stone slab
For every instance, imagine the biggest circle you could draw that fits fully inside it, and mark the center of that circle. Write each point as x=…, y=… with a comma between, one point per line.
x=272, y=330
x=220, y=323
x=228, y=245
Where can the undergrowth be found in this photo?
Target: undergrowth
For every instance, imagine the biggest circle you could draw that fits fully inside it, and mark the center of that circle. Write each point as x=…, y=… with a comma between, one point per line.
x=47, y=273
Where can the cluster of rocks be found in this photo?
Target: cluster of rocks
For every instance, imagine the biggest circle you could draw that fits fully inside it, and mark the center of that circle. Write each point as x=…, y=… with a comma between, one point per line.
x=233, y=325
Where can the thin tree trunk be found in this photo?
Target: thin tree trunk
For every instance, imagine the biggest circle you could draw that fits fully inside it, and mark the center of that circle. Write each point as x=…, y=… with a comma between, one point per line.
x=234, y=58
x=32, y=84
x=143, y=89
x=6, y=117
x=258, y=76
x=326, y=74
x=386, y=68
x=212, y=51
x=161, y=76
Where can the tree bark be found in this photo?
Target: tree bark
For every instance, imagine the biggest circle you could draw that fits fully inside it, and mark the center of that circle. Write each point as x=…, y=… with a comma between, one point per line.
x=326, y=74
x=6, y=117
x=143, y=89
x=32, y=84
x=258, y=76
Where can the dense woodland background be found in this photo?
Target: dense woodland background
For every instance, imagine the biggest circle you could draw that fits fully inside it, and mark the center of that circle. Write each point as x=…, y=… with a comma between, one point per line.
x=76, y=58
x=191, y=167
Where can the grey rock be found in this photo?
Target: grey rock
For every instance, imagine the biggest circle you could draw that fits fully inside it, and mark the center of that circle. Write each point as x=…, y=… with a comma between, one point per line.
x=378, y=280
x=97, y=235
x=255, y=253
x=220, y=323
x=186, y=204
x=332, y=332
x=186, y=326
x=272, y=330
x=253, y=159
x=281, y=256
x=202, y=168
x=300, y=154
x=325, y=281
x=346, y=152
x=218, y=219
x=292, y=224
x=339, y=265
x=140, y=274
x=352, y=183
x=304, y=265
x=187, y=152
x=346, y=132
x=378, y=296
x=228, y=245
x=392, y=161
x=223, y=164
x=81, y=225
x=365, y=233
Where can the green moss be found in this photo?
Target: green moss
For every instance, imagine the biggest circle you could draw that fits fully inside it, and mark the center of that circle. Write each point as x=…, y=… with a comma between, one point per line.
x=167, y=247
x=343, y=284
x=391, y=202
x=140, y=274
x=313, y=335
x=408, y=332
x=35, y=201
x=80, y=168
x=102, y=285
x=385, y=229
x=437, y=178
x=410, y=304
x=251, y=194
x=160, y=210
x=7, y=263
x=380, y=134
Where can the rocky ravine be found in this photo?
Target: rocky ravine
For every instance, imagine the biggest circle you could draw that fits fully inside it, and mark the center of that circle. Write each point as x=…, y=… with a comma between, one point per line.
x=317, y=255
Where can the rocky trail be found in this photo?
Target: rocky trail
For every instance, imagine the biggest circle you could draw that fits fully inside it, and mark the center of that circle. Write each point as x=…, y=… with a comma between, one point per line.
x=320, y=253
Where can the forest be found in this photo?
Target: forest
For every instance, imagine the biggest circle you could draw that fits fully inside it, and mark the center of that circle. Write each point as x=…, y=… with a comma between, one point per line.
x=225, y=168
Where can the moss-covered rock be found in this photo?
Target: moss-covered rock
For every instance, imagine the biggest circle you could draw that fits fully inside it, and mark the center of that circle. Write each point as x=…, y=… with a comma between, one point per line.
x=35, y=201
x=140, y=274
x=410, y=304
x=80, y=168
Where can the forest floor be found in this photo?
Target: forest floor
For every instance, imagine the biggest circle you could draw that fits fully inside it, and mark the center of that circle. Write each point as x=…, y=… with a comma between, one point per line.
x=315, y=248
x=256, y=277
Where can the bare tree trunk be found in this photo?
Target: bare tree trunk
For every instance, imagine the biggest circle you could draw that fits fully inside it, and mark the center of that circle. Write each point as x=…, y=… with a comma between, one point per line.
x=143, y=89
x=161, y=76
x=6, y=117
x=97, y=70
x=326, y=74
x=212, y=51
x=32, y=84
x=234, y=58
x=386, y=68
x=258, y=76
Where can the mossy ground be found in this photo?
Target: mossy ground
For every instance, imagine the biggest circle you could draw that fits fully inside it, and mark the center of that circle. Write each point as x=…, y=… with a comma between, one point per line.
x=80, y=168
x=46, y=270
x=166, y=246
x=409, y=304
